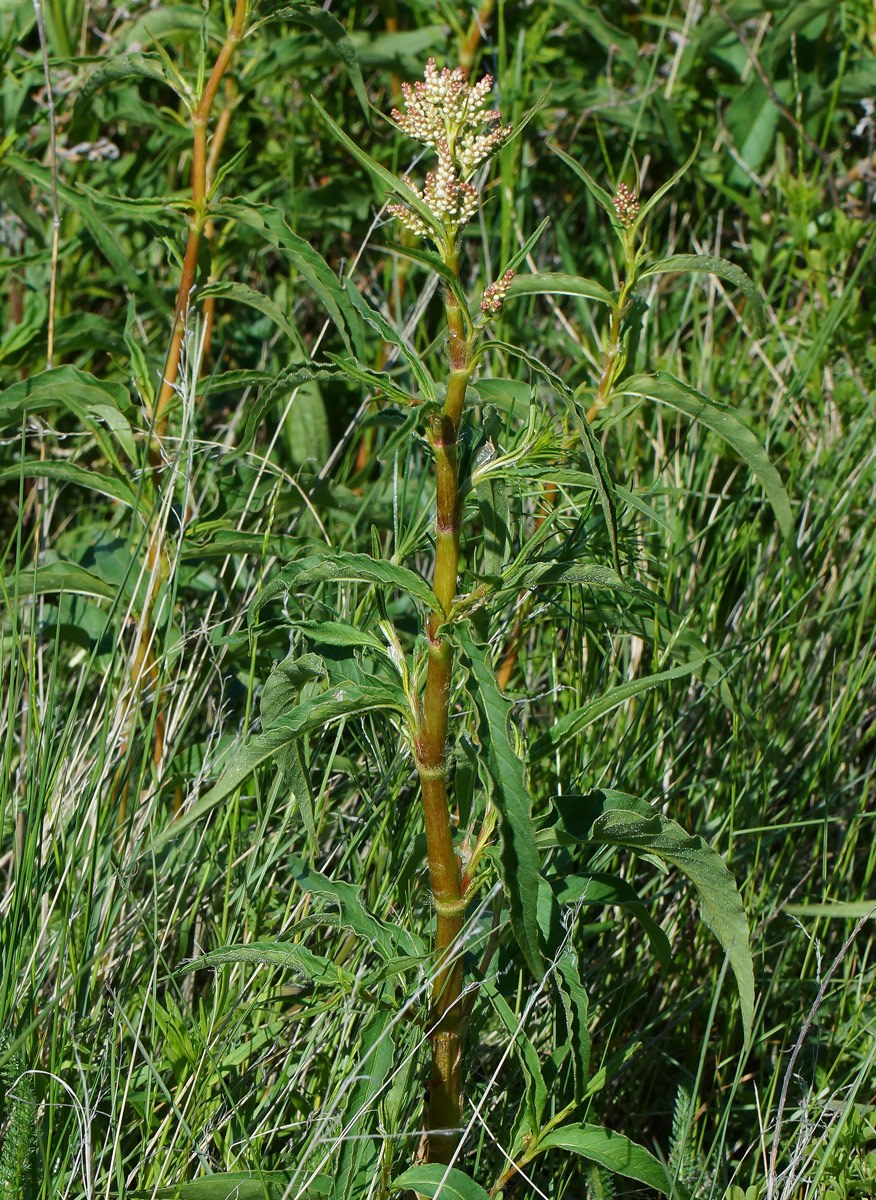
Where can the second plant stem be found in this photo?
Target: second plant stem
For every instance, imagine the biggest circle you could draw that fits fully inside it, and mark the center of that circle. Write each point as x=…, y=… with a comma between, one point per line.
x=445, y=1104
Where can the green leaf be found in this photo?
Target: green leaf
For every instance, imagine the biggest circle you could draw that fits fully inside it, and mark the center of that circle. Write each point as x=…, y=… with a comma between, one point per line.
x=666, y=389
x=605, y=889
x=843, y=910
x=290, y=955
x=599, y=194
x=313, y=268
x=238, y=1185
x=572, y=723
x=715, y=266
x=340, y=567
x=611, y=1150
x=431, y=260
x=527, y=1056
x=493, y=504
x=242, y=293
x=358, y=1149
x=290, y=378
x=657, y=196
x=393, y=182
x=63, y=577
x=67, y=472
x=518, y=858
x=550, y=284
x=386, y=939
x=392, y=337
x=720, y=902
x=573, y=997
x=333, y=31
x=434, y=1179
x=592, y=446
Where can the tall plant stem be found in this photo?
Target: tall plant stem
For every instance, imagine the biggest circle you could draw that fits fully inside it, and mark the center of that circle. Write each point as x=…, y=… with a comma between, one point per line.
x=144, y=668
x=444, y=1115
x=200, y=119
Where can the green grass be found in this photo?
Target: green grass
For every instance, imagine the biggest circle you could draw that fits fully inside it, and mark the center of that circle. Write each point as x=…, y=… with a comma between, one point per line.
x=133, y=1074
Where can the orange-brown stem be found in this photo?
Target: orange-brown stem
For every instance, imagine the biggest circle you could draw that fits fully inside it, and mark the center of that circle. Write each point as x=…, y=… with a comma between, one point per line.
x=200, y=118
x=444, y=1115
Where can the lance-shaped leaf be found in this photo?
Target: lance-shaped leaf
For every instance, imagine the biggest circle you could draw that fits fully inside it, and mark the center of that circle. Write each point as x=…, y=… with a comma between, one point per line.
x=314, y=269
x=111, y=486
x=289, y=955
x=240, y=1185
x=519, y=858
x=572, y=723
x=345, y=699
x=392, y=182
x=714, y=266
x=720, y=902
x=338, y=567
x=549, y=284
x=392, y=337
x=721, y=419
x=611, y=1150
x=444, y=1183
x=335, y=33
x=63, y=577
x=592, y=447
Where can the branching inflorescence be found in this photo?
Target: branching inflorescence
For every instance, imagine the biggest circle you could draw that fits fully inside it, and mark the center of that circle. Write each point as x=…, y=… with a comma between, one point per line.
x=448, y=115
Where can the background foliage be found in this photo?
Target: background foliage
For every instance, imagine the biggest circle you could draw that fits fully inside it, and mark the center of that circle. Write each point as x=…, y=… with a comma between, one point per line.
x=121, y=1073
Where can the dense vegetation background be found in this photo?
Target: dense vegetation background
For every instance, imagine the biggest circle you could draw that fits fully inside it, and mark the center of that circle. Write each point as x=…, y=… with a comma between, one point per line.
x=123, y=1076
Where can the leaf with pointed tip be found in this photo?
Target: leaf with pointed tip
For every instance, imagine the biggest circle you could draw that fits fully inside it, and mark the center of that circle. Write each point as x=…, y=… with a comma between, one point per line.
x=66, y=472
x=333, y=31
x=269, y=222
x=721, y=419
x=611, y=1150
x=240, y=1185
x=599, y=194
x=63, y=577
x=393, y=182
x=714, y=266
x=242, y=293
x=340, y=567
x=518, y=858
x=552, y=284
x=572, y=723
x=290, y=955
x=444, y=1183
x=720, y=902
x=392, y=337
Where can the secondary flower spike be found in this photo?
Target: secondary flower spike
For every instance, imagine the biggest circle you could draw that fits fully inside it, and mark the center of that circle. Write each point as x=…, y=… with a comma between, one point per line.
x=494, y=295
x=626, y=205
x=443, y=112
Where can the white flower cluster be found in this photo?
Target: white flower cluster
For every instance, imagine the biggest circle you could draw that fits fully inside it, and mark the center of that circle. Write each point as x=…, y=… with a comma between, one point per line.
x=494, y=295
x=443, y=112
x=626, y=205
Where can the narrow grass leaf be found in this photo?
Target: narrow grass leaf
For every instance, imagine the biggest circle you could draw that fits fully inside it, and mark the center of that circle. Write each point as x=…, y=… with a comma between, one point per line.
x=518, y=858
x=720, y=902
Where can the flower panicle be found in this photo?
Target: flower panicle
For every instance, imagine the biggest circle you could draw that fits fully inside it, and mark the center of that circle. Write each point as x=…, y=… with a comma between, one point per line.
x=448, y=115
